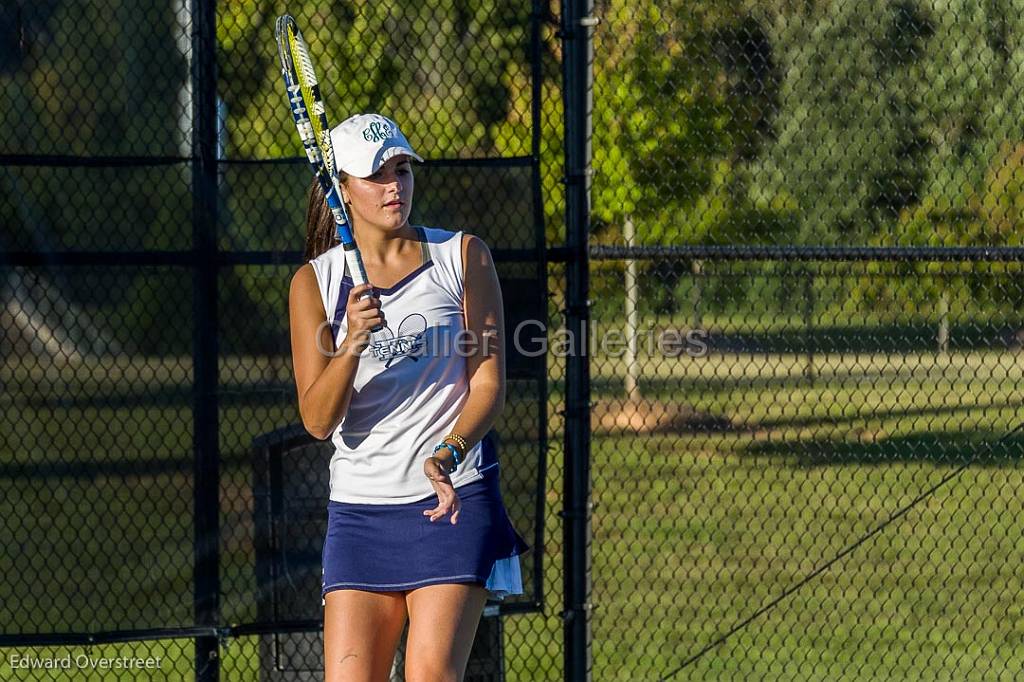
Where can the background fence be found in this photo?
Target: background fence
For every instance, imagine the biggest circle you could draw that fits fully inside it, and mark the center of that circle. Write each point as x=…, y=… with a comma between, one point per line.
x=152, y=205
x=804, y=467
x=788, y=452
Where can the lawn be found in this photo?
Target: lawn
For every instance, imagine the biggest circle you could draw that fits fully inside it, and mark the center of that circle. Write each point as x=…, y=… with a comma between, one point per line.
x=695, y=530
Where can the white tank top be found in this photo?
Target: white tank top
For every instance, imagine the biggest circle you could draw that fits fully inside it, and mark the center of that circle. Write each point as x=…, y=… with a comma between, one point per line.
x=410, y=385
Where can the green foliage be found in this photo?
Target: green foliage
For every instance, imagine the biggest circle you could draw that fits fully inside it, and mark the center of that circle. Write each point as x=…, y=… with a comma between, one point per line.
x=885, y=104
x=682, y=95
x=846, y=145
x=897, y=126
x=989, y=212
x=447, y=70
x=665, y=120
x=94, y=81
x=1000, y=204
x=98, y=80
x=811, y=122
x=453, y=73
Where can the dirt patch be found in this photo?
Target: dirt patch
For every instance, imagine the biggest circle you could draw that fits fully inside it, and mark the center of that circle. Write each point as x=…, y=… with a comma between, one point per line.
x=652, y=416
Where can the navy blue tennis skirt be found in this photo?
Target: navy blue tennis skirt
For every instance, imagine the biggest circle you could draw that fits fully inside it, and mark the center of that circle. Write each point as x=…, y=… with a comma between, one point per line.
x=391, y=548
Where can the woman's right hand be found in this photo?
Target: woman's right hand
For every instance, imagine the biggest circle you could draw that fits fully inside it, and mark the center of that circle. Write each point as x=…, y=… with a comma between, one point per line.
x=363, y=314
x=447, y=497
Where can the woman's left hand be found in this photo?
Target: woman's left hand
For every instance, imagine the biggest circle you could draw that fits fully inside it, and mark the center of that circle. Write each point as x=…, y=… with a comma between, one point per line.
x=447, y=498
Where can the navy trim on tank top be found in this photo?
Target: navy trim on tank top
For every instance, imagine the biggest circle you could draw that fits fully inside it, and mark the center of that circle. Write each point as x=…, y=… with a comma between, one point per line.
x=425, y=262
x=346, y=281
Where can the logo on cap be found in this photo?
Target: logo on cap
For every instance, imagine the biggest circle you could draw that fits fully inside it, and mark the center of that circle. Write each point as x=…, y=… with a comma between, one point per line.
x=378, y=131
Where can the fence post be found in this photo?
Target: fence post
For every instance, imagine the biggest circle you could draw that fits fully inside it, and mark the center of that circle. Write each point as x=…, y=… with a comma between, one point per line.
x=632, y=315
x=206, y=601
x=943, y=334
x=810, y=372
x=577, y=23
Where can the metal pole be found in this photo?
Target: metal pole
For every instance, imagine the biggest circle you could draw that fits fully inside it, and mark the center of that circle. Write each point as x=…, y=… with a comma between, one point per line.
x=206, y=602
x=539, y=15
x=808, y=276
x=577, y=24
x=632, y=314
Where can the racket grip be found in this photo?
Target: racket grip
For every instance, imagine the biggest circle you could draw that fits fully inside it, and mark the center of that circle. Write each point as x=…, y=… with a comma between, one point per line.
x=340, y=218
x=355, y=263
x=355, y=266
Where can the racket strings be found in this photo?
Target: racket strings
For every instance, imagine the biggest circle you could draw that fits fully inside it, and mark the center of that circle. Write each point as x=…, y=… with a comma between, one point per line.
x=310, y=88
x=310, y=116
x=303, y=62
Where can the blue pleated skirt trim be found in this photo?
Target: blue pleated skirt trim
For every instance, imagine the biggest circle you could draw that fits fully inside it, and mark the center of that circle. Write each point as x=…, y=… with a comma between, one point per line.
x=391, y=548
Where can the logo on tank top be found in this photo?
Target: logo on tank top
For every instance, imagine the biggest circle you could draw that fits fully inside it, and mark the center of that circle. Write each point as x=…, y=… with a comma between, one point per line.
x=387, y=346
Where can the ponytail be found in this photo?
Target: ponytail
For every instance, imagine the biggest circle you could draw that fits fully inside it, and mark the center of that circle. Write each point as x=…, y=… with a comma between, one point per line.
x=320, y=228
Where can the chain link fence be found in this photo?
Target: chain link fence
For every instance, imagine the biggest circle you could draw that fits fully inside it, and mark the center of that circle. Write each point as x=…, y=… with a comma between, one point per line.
x=806, y=305
x=152, y=204
x=804, y=349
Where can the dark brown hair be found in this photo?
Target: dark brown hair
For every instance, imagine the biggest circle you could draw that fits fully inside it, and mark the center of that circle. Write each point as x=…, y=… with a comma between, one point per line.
x=320, y=229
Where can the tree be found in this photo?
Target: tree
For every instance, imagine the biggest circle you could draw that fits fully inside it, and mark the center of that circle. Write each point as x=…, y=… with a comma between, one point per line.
x=895, y=124
x=92, y=81
x=451, y=72
x=848, y=142
x=662, y=117
x=443, y=67
x=683, y=95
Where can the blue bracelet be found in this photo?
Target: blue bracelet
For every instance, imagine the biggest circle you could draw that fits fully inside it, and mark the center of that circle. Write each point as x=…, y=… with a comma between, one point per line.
x=455, y=454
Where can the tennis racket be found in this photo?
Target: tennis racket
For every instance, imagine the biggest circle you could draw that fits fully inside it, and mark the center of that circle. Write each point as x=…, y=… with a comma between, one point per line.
x=310, y=115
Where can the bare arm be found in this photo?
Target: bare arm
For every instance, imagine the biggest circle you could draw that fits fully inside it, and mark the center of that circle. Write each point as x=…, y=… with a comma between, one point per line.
x=485, y=367
x=324, y=383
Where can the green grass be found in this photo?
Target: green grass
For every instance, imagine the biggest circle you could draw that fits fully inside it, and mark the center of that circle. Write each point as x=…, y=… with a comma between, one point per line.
x=693, y=532
x=692, y=554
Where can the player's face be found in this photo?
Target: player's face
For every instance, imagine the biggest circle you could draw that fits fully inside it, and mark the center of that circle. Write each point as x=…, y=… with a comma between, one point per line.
x=385, y=198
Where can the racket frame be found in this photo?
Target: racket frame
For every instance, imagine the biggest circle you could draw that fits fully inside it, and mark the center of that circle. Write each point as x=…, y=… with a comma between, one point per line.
x=319, y=152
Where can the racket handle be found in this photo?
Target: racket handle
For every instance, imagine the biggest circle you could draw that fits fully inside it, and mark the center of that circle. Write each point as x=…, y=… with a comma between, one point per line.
x=355, y=263
x=348, y=242
x=340, y=219
x=355, y=266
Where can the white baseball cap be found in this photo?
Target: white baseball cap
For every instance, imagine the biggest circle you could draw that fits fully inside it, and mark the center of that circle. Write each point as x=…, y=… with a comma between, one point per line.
x=365, y=142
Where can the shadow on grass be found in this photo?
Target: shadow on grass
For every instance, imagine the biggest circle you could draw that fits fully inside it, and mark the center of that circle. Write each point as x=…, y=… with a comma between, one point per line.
x=708, y=422
x=228, y=395
x=91, y=470
x=866, y=339
x=806, y=421
x=981, y=448
x=232, y=461
x=825, y=378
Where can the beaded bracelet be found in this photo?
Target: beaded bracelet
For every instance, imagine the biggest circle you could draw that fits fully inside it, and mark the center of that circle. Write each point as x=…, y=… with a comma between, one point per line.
x=456, y=458
x=458, y=439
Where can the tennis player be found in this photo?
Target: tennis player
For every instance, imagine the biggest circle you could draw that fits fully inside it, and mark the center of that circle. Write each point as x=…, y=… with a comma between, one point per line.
x=405, y=375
